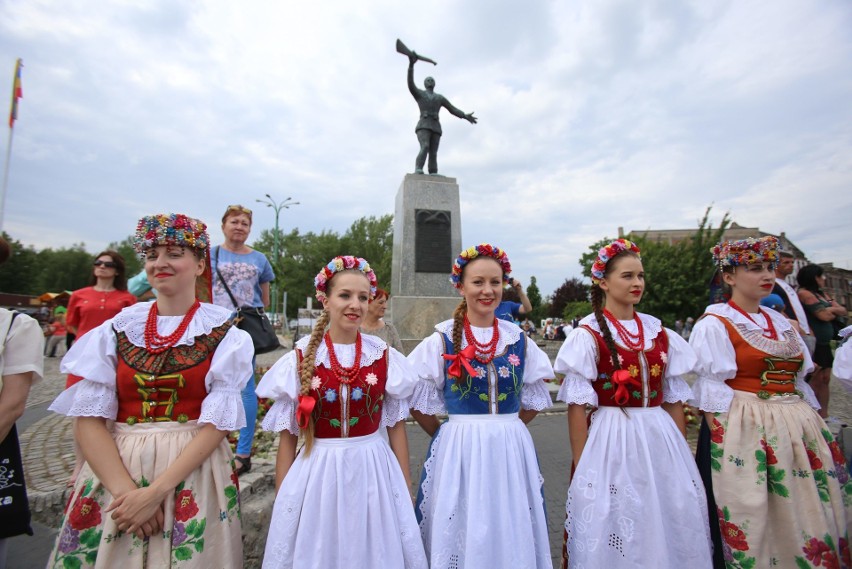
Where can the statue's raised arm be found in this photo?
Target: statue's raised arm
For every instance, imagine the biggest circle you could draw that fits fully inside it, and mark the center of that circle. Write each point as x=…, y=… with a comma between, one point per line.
x=428, y=128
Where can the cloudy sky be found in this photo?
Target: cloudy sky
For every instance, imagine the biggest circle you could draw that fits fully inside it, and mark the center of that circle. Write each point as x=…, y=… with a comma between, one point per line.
x=594, y=114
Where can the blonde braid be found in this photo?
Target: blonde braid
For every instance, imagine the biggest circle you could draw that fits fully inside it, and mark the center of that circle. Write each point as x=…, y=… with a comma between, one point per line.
x=458, y=328
x=597, y=295
x=307, y=371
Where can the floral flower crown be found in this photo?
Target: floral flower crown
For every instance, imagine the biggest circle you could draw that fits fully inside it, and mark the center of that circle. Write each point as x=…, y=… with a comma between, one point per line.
x=605, y=254
x=746, y=252
x=481, y=250
x=343, y=263
x=170, y=229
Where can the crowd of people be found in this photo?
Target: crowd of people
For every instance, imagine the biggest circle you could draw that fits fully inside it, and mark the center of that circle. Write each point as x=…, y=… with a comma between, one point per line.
x=156, y=387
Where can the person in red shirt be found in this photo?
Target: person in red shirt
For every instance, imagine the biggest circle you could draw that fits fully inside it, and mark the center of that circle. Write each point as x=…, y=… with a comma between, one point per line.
x=90, y=307
x=105, y=296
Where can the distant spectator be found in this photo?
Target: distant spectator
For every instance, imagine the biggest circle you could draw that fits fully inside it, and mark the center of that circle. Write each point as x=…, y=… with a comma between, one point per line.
x=549, y=330
x=687, y=328
x=374, y=323
x=56, y=335
x=792, y=305
x=21, y=366
x=512, y=311
x=821, y=311
x=679, y=327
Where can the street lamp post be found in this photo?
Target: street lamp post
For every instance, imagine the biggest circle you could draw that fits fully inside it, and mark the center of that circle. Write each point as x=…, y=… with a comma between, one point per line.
x=277, y=206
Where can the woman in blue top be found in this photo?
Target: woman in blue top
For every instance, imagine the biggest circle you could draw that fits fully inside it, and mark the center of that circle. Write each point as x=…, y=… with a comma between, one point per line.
x=247, y=273
x=480, y=502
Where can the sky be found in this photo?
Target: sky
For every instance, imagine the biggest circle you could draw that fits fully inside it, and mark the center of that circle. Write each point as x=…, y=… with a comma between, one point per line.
x=593, y=115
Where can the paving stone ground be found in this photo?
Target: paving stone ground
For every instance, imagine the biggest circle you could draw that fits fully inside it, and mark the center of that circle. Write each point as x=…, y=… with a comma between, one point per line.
x=47, y=448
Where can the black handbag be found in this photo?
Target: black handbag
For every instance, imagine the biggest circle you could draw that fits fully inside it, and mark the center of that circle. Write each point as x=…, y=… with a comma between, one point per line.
x=253, y=320
x=14, y=506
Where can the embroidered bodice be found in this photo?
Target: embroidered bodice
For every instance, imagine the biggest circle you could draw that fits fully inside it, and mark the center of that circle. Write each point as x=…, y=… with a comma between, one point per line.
x=646, y=368
x=764, y=366
x=495, y=389
x=168, y=386
x=349, y=410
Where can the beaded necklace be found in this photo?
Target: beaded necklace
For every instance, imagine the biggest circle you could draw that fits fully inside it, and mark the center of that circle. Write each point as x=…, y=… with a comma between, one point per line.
x=157, y=344
x=344, y=374
x=484, y=351
x=635, y=342
x=768, y=331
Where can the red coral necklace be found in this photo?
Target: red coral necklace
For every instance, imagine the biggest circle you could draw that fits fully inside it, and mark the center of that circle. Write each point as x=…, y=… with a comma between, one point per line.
x=157, y=344
x=768, y=331
x=484, y=351
x=344, y=374
x=635, y=342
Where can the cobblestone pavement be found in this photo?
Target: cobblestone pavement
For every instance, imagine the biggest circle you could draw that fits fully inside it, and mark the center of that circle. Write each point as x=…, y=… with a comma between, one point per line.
x=47, y=448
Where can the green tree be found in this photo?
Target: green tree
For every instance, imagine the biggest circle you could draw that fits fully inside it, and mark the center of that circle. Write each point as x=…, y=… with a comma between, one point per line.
x=19, y=273
x=372, y=238
x=132, y=262
x=534, y=294
x=677, y=275
x=68, y=268
x=572, y=290
x=576, y=309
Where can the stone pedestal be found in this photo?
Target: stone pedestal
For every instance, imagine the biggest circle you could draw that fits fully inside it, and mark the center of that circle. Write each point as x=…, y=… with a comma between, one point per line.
x=427, y=207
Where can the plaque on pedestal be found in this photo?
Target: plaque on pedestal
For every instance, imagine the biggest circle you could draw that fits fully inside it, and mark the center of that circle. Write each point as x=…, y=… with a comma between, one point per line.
x=426, y=240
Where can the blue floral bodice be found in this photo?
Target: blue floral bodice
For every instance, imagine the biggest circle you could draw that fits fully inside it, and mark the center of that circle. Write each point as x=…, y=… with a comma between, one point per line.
x=496, y=388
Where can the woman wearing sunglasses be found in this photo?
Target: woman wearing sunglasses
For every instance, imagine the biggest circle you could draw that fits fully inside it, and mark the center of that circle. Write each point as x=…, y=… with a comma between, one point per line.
x=90, y=307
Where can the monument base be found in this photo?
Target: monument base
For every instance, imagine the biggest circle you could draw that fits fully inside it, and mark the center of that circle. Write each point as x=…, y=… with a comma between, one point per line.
x=415, y=317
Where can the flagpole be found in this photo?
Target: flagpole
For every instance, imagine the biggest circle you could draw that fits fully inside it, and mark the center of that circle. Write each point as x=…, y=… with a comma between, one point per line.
x=17, y=93
x=6, y=177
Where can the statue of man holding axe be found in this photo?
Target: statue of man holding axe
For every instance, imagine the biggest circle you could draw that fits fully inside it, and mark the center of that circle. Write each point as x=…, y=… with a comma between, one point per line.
x=428, y=128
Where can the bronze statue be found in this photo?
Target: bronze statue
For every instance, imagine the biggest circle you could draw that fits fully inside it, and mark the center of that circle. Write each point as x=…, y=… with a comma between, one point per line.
x=428, y=128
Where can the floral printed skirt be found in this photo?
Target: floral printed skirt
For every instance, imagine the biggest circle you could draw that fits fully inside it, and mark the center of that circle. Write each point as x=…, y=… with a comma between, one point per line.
x=480, y=503
x=345, y=504
x=780, y=483
x=636, y=498
x=202, y=523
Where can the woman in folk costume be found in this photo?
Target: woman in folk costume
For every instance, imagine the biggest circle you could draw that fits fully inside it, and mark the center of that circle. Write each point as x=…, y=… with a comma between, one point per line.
x=480, y=502
x=777, y=485
x=344, y=500
x=635, y=499
x=160, y=490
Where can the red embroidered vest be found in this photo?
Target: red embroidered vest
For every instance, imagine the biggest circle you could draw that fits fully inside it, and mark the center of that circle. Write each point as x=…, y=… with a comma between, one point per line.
x=167, y=386
x=647, y=368
x=349, y=410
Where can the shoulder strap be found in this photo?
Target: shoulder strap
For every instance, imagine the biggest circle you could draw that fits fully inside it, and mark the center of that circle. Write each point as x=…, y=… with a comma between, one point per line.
x=8, y=330
x=224, y=283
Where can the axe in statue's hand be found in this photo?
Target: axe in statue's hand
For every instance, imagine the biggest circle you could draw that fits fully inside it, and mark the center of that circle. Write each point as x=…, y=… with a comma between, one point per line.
x=412, y=55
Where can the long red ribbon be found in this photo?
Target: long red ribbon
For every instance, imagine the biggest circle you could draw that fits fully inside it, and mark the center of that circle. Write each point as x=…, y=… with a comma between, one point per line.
x=623, y=381
x=304, y=410
x=461, y=359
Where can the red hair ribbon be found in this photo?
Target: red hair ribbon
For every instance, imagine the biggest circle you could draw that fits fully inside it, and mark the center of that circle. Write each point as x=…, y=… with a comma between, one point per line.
x=304, y=410
x=461, y=359
x=623, y=380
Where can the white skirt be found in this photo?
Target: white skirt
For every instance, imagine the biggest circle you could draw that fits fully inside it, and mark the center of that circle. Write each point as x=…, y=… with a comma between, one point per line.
x=346, y=504
x=636, y=499
x=481, y=502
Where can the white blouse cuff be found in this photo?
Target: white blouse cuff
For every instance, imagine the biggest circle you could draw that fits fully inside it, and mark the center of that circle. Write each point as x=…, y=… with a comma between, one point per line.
x=576, y=390
x=223, y=408
x=87, y=398
x=676, y=390
x=427, y=399
x=281, y=417
x=536, y=396
x=712, y=396
x=393, y=411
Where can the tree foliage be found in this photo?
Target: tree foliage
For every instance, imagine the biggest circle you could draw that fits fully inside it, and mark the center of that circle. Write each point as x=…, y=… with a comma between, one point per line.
x=572, y=290
x=534, y=294
x=302, y=255
x=677, y=276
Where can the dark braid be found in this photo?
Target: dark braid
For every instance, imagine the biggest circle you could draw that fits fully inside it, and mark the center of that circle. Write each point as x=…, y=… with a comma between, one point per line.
x=597, y=295
x=458, y=328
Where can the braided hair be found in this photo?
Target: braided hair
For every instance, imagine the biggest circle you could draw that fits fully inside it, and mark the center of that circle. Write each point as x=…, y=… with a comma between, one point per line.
x=306, y=372
x=598, y=297
x=458, y=328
